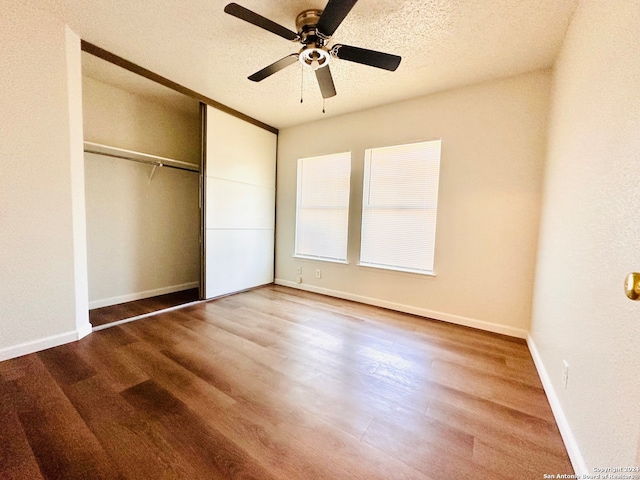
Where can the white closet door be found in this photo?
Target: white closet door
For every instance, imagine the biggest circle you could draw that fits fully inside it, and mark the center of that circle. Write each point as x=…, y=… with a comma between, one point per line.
x=240, y=180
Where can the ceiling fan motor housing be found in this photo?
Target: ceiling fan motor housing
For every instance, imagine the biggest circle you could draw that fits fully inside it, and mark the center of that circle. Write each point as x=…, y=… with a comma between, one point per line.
x=313, y=53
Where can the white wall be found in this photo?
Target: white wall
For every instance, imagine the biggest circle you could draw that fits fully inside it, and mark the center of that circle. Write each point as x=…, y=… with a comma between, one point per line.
x=142, y=236
x=493, y=146
x=590, y=236
x=39, y=150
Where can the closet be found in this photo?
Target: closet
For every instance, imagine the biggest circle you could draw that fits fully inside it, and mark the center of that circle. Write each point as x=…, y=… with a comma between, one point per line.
x=142, y=189
x=180, y=194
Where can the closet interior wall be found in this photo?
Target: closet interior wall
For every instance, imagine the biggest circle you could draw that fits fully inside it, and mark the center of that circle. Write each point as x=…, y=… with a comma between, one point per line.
x=142, y=229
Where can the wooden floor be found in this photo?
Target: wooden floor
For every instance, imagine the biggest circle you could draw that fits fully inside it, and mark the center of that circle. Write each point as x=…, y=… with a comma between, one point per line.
x=121, y=311
x=277, y=383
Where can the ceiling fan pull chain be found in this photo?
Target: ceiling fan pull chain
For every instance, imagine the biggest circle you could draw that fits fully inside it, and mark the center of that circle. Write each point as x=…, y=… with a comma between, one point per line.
x=301, y=82
x=323, y=100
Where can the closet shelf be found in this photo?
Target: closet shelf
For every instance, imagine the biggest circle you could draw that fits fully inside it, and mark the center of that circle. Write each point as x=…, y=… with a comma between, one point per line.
x=154, y=160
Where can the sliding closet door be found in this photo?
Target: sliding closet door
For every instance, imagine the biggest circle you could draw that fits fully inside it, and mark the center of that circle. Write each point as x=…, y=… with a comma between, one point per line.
x=240, y=170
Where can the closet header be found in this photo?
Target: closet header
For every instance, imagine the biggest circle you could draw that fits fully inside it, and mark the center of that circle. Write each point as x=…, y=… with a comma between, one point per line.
x=90, y=147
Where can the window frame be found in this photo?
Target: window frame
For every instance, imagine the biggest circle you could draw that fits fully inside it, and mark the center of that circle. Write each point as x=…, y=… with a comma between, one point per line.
x=299, y=196
x=432, y=226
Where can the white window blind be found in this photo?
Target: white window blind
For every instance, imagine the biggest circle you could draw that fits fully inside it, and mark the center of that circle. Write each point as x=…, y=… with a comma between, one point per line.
x=322, y=207
x=399, y=206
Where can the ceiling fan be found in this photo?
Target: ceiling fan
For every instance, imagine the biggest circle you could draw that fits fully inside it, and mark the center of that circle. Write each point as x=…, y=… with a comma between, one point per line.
x=315, y=28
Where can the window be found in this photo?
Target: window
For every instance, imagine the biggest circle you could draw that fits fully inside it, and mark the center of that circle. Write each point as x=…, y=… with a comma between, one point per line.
x=399, y=204
x=322, y=207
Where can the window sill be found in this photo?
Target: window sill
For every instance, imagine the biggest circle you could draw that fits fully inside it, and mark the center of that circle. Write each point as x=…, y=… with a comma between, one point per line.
x=321, y=259
x=397, y=269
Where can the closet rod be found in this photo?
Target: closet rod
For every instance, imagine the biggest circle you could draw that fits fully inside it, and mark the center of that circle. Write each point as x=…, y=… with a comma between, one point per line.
x=90, y=147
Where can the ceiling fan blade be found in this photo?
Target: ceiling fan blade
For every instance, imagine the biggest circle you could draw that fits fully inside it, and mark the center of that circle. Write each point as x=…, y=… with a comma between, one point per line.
x=259, y=21
x=325, y=80
x=333, y=15
x=366, y=57
x=274, y=67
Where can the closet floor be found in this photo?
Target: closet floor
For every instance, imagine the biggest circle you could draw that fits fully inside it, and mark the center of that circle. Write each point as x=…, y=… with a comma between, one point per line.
x=114, y=313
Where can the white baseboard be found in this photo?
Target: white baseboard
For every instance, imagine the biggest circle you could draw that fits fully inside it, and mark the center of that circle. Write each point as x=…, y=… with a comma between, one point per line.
x=130, y=297
x=85, y=330
x=577, y=460
x=422, y=312
x=43, y=343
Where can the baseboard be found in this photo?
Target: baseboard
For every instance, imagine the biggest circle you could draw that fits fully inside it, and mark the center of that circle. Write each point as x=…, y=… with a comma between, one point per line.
x=130, y=297
x=85, y=330
x=577, y=460
x=43, y=343
x=422, y=312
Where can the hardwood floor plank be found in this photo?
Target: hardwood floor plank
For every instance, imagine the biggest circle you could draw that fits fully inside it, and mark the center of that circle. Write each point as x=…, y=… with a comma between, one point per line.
x=62, y=444
x=66, y=366
x=255, y=433
x=474, y=338
x=366, y=394
x=301, y=377
x=274, y=447
x=382, y=317
x=175, y=378
x=212, y=454
x=429, y=458
x=527, y=463
x=140, y=448
x=159, y=330
x=114, y=313
x=508, y=392
x=101, y=351
x=279, y=308
x=489, y=421
x=226, y=320
x=241, y=378
x=346, y=456
x=429, y=432
x=218, y=339
x=16, y=368
x=17, y=460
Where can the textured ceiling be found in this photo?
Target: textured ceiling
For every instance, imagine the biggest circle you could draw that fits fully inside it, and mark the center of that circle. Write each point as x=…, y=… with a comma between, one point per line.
x=443, y=44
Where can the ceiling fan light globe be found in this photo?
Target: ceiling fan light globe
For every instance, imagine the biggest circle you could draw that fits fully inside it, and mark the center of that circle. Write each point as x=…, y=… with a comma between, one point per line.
x=314, y=57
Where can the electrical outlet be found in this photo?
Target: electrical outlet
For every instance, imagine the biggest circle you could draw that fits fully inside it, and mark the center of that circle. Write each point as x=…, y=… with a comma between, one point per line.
x=318, y=273
x=565, y=374
x=299, y=271
x=299, y=279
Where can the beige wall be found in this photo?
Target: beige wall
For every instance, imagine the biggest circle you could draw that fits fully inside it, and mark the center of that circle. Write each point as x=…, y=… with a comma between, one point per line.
x=142, y=236
x=493, y=146
x=40, y=177
x=119, y=118
x=590, y=236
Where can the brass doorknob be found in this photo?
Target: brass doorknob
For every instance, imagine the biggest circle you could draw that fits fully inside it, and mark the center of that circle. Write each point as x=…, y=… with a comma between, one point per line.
x=632, y=286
